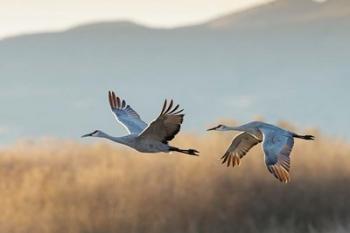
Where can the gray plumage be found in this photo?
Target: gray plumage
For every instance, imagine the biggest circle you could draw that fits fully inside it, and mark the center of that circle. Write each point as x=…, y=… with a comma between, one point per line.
x=145, y=138
x=277, y=146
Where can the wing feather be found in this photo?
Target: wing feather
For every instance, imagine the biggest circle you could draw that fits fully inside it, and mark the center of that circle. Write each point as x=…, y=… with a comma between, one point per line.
x=277, y=149
x=125, y=115
x=167, y=124
x=239, y=148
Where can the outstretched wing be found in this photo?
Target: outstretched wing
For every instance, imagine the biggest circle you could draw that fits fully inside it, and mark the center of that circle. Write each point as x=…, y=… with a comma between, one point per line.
x=166, y=126
x=277, y=148
x=240, y=147
x=125, y=115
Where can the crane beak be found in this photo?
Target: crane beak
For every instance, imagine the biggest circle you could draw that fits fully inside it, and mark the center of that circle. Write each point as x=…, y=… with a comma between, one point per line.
x=87, y=135
x=214, y=128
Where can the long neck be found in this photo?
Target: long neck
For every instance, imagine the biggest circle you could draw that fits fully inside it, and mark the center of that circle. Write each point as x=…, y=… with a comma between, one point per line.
x=230, y=128
x=114, y=139
x=253, y=131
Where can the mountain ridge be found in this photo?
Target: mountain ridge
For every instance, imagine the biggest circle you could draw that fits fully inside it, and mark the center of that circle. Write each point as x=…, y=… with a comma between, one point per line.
x=285, y=72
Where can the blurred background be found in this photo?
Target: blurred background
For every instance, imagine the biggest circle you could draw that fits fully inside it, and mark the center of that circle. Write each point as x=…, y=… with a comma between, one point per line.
x=283, y=61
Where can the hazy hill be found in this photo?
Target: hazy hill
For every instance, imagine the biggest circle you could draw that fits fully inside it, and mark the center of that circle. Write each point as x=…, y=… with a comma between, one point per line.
x=285, y=60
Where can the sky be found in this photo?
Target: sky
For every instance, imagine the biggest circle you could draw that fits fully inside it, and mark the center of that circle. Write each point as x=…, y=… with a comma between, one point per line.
x=26, y=16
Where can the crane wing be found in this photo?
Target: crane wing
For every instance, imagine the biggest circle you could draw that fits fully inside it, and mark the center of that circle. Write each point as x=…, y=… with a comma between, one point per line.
x=240, y=147
x=167, y=124
x=125, y=115
x=277, y=148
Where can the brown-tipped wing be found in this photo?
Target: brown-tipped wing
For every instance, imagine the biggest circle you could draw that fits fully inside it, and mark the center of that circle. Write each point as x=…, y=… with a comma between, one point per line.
x=239, y=148
x=166, y=126
x=125, y=115
x=277, y=149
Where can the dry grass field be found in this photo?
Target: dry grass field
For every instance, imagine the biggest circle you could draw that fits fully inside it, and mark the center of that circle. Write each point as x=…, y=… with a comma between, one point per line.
x=54, y=186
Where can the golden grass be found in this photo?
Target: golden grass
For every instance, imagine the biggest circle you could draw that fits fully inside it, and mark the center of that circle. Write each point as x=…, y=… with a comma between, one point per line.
x=52, y=186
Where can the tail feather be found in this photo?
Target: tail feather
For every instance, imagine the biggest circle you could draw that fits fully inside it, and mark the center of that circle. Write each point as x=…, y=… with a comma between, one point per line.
x=188, y=151
x=305, y=137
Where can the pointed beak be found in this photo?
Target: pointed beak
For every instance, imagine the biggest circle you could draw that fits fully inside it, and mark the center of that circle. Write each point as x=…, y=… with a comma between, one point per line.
x=87, y=135
x=214, y=128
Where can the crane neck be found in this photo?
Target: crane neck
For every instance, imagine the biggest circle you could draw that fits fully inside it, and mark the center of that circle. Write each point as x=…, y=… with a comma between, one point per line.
x=121, y=140
x=230, y=128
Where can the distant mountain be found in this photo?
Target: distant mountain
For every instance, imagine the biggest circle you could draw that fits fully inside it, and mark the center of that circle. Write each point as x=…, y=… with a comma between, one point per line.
x=286, y=12
x=286, y=60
